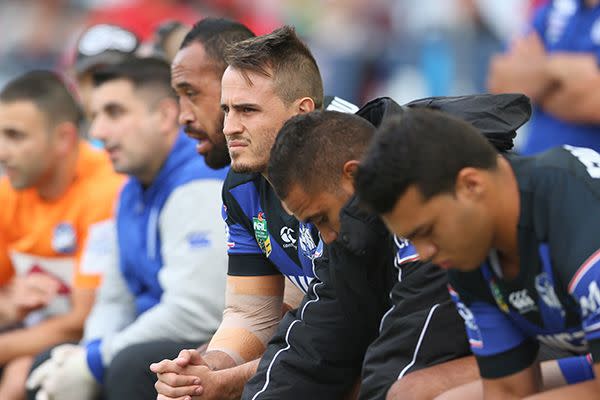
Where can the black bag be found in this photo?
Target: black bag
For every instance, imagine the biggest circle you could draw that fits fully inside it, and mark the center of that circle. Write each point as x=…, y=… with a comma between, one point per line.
x=497, y=116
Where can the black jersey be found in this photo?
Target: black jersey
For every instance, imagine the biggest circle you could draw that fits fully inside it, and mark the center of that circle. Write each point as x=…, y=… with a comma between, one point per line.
x=555, y=299
x=319, y=349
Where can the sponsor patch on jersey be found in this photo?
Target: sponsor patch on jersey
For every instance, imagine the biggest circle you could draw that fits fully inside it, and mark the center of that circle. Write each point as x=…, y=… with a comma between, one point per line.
x=261, y=233
x=64, y=239
x=498, y=296
x=198, y=240
x=287, y=236
x=522, y=301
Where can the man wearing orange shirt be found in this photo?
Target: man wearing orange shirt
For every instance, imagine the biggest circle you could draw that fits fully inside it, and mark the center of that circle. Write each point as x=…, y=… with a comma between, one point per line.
x=56, y=193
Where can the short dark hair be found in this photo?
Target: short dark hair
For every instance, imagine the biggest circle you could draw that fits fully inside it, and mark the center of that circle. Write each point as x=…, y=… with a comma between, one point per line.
x=282, y=56
x=311, y=150
x=423, y=147
x=216, y=34
x=151, y=73
x=48, y=92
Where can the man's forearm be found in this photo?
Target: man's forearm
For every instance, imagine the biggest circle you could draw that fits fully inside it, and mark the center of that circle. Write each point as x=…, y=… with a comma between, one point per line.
x=33, y=340
x=233, y=380
x=218, y=360
x=578, y=102
x=8, y=311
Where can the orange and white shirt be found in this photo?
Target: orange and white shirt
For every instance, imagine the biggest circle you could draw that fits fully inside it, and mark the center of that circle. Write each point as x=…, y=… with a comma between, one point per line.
x=38, y=236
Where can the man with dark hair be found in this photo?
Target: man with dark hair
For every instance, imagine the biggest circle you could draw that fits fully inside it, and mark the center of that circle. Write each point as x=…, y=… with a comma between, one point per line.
x=164, y=289
x=519, y=234
x=56, y=195
x=196, y=74
x=370, y=280
x=265, y=243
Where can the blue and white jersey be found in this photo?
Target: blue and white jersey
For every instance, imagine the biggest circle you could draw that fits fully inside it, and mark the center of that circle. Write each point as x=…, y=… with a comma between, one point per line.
x=555, y=299
x=263, y=239
x=565, y=26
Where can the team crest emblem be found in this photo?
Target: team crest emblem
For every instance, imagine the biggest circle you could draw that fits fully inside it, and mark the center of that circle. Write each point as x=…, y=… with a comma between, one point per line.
x=261, y=233
x=64, y=239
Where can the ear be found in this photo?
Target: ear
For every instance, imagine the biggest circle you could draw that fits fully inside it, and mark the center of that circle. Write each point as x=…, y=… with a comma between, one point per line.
x=470, y=183
x=349, y=169
x=65, y=136
x=168, y=114
x=348, y=173
x=306, y=105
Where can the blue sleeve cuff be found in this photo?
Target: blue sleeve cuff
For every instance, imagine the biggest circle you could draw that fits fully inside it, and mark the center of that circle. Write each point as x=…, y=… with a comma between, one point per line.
x=94, y=360
x=576, y=369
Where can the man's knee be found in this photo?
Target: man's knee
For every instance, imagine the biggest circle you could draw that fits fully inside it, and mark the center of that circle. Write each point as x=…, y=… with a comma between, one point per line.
x=406, y=388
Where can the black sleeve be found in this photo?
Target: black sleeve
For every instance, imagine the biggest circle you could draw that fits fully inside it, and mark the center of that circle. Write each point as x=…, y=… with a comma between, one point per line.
x=421, y=329
x=318, y=349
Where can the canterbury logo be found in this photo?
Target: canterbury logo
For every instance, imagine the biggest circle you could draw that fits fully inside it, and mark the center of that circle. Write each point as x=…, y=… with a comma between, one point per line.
x=521, y=301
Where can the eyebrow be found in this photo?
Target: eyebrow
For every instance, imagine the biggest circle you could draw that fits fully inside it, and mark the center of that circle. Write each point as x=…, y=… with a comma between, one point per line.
x=11, y=130
x=183, y=85
x=241, y=105
x=414, y=232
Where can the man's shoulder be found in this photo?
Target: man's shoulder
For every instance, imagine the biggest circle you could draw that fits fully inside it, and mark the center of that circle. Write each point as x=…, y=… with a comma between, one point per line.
x=361, y=229
x=558, y=168
x=97, y=181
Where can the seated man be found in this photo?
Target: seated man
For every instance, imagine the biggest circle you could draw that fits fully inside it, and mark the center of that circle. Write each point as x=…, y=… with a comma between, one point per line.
x=519, y=234
x=57, y=193
x=264, y=246
x=166, y=282
x=372, y=285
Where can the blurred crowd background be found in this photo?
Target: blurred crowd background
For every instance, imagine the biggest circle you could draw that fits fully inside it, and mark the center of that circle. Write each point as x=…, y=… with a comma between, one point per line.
x=405, y=49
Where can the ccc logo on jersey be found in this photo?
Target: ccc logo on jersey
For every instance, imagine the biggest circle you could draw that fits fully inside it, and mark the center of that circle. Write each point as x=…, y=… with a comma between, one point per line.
x=287, y=236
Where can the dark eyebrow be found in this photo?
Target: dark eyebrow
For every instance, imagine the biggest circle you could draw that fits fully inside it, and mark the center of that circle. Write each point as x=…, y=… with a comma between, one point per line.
x=184, y=85
x=414, y=233
x=113, y=105
x=245, y=105
x=11, y=131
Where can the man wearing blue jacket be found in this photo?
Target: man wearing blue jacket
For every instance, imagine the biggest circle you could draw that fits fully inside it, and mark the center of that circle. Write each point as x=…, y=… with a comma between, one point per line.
x=165, y=279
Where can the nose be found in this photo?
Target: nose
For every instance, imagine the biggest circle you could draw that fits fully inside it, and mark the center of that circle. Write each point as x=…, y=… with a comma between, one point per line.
x=186, y=114
x=426, y=249
x=231, y=124
x=328, y=235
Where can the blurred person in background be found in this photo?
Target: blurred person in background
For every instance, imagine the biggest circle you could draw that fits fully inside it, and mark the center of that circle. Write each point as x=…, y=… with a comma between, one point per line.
x=57, y=197
x=165, y=42
x=99, y=46
x=556, y=65
x=164, y=287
